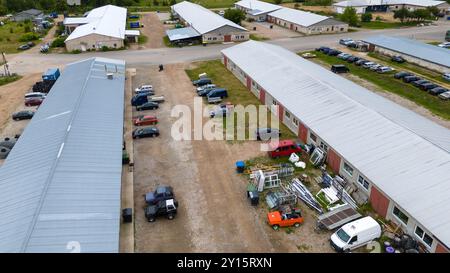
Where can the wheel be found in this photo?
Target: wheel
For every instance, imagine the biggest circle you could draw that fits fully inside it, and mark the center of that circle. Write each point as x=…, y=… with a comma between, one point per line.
x=296, y=225
x=151, y=219
x=275, y=227
x=170, y=216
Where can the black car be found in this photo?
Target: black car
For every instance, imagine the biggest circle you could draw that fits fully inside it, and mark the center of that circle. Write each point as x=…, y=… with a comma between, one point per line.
x=145, y=132
x=437, y=90
x=22, y=115
x=428, y=86
x=333, y=52
x=411, y=78
x=398, y=59
x=147, y=106
x=160, y=194
x=352, y=59
x=162, y=208
x=420, y=82
x=205, y=92
x=322, y=49
x=339, y=68
x=402, y=74
x=202, y=81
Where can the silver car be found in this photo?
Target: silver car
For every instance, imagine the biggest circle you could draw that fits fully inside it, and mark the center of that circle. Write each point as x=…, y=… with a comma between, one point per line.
x=445, y=95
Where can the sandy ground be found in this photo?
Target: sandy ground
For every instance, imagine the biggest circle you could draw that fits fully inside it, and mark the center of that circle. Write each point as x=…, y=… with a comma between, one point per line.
x=49, y=37
x=214, y=213
x=311, y=8
x=263, y=30
x=154, y=29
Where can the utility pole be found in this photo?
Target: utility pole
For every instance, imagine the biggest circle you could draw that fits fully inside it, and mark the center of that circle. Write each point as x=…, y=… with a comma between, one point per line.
x=5, y=65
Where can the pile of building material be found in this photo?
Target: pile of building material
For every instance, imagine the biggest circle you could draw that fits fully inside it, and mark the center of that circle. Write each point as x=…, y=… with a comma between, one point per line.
x=297, y=188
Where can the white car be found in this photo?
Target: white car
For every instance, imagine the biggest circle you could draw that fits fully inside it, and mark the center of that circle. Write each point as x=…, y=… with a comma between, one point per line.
x=222, y=13
x=384, y=69
x=143, y=88
x=446, y=76
x=444, y=45
x=206, y=86
x=375, y=67
x=445, y=95
x=368, y=64
x=35, y=95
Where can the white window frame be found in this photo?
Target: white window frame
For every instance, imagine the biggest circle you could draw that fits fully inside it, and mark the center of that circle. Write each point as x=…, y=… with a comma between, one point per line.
x=324, y=146
x=362, y=183
x=287, y=114
x=398, y=218
x=312, y=139
x=274, y=102
x=348, y=166
x=295, y=121
x=423, y=235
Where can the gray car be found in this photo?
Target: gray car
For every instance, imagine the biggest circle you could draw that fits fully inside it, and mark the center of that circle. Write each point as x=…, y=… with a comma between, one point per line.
x=4, y=152
x=267, y=133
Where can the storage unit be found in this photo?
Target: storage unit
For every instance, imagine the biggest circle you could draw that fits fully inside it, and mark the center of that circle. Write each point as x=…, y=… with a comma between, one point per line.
x=51, y=74
x=380, y=146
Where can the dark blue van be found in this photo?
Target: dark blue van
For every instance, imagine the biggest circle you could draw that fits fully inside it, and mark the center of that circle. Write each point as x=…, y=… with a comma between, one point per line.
x=218, y=93
x=139, y=99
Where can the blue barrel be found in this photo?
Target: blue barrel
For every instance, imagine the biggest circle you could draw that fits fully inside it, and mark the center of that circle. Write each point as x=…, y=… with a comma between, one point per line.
x=240, y=166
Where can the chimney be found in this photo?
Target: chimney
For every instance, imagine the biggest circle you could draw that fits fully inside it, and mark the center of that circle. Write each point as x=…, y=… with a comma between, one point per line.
x=110, y=76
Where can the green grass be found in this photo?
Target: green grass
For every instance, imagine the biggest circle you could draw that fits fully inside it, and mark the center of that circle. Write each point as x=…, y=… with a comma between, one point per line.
x=9, y=42
x=258, y=37
x=147, y=5
x=238, y=94
x=6, y=80
x=434, y=43
x=384, y=25
x=388, y=83
x=432, y=75
x=167, y=42
x=142, y=39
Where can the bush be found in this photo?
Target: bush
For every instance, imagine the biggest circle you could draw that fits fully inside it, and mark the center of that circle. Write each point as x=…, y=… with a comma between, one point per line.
x=234, y=15
x=11, y=30
x=27, y=37
x=58, y=42
x=105, y=48
x=366, y=17
x=76, y=51
x=27, y=28
x=378, y=18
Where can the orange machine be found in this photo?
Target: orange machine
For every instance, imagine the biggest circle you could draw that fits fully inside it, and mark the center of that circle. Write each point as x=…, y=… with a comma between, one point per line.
x=278, y=219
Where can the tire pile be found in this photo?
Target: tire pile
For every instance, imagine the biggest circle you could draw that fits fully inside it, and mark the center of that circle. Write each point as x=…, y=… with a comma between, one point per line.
x=43, y=86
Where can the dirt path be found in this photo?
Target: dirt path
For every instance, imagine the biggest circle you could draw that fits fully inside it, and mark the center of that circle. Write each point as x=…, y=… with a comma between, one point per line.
x=214, y=213
x=49, y=37
x=154, y=29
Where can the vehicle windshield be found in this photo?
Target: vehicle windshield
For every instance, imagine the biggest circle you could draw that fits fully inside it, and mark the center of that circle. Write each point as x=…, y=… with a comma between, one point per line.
x=343, y=235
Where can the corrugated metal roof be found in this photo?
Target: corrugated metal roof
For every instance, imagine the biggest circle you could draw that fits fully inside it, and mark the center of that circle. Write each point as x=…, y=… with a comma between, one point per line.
x=62, y=180
x=107, y=20
x=414, y=48
x=201, y=19
x=298, y=17
x=132, y=32
x=181, y=33
x=257, y=7
x=404, y=154
x=365, y=3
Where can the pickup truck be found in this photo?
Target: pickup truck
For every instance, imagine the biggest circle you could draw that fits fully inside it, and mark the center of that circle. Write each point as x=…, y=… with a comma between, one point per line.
x=157, y=99
x=214, y=100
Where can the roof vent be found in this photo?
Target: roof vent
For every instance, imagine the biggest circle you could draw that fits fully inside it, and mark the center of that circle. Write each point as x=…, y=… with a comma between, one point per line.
x=110, y=76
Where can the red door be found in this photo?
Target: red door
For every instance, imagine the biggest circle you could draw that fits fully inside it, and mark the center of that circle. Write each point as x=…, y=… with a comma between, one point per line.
x=227, y=38
x=292, y=26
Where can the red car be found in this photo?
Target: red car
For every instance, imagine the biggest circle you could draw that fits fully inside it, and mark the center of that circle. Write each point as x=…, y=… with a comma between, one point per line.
x=33, y=101
x=283, y=148
x=145, y=120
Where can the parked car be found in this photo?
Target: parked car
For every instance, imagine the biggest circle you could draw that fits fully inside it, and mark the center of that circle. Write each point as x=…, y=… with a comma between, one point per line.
x=323, y=49
x=428, y=86
x=219, y=112
x=361, y=62
x=33, y=101
x=148, y=106
x=4, y=152
x=444, y=45
x=346, y=41
x=333, y=52
x=214, y=100
x=24, y=47
x=398, y=59
x=368, y=64
x=146, y=92
x=157, y=99
x=437, y=90
x=205, y=92
x=355, y=234
x=218, y=93
x=139, y=99
x=35, y=95
x=352, y=59
x=339, y=68
x=446, y=76
x=402, y=74
x=145, y=120
x=145, y=87
x=420, y=82
x=283, y=148
x=412, y=78
x=145, y=132
x=384, y=69
x=202, y=81
x=267, y=133
x=22, y=115
x=161, y=193
x=166, y=208
x=206, y=86
x=343, y=54
x=308, y=55
x=375, y=67
x=445, y=95
x=277, y=219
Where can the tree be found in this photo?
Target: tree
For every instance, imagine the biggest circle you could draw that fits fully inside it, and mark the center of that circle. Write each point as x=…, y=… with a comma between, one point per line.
x=402, y=14
x=366, y=17
x=421, y=14
x=234, y=15
x=173, y=2
x=155, y=3
x=349, y=15
x=434, y=11
x=61, y=5
x=278, y=1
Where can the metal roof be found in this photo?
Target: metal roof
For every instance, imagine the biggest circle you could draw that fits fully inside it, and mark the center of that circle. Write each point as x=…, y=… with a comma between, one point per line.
x=404, y=154
x=181, y=33
x=201, y=19
x=108, y=20
x=61, y=183
x=414, y=48
x=257, y=7
x=298, y=17
x=366, y=3
x=132, y=32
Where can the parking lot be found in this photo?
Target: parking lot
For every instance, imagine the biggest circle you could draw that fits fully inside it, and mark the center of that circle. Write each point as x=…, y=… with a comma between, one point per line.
x=214, y=213
x=263, y=30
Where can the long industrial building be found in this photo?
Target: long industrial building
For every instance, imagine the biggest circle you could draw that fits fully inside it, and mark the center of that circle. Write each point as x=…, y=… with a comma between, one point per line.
x=60, y=186
x=211, y=27
x=256, y=10
x=413, y=51
x=397, y=159
x=363, y=6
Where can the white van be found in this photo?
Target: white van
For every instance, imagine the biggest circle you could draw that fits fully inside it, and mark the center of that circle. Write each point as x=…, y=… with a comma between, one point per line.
x=355, y=234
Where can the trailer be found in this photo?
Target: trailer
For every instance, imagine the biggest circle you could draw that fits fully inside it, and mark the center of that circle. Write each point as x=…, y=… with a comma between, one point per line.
x=337, y=217
x=51, y=74
x=135, y=25
x=158, y=99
